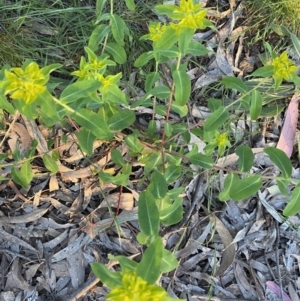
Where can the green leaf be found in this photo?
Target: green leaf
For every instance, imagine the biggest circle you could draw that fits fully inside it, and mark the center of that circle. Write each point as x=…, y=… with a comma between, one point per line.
x=283, y=186
x=79, y=90
x=229, y=180
x=121, y=120
x=93, y=123
x=216, y=119
x=151, y=162
x=117, y=28
x=296, y=43
x=185, y=37
x=293, y=207
x=165, y=9
x=130, y=4
x=117, y=157
x=99, y=6
x=172, y=214
x=167, y=39
x=197, y=49
x=182, y=86
x=160, y=92
x=143, y=59
x=169, y=262
x=265, y=71
x=158, y=185
x=110, y=279
x=151, y=79
x=256, y=104
x=214, y=104
x=49, y=109
x=272, y=110
x=133, y=143
x=22, y=176
x=180, y=110
x=235, y=83
x=125, y=263
x=172, y=173
x=50, y=164
x=86, y=140
x=168, y=129
x=97, y=36
x=148, y=214
x=244, y=188
x=117, y=51
x=246, y=157
x=149, y=266
x=114, y=94
x=172, y=52
x=5, y=105
x=202, y=160
x=281, y=160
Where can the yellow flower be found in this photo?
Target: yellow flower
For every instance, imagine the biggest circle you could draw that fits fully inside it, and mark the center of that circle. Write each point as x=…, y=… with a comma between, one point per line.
x=189, y=15
x=155, y=31
x=108, y=80
x=283, y=67
x=25, y=84
x=187, y=7
x=134, y=288
x=221, y=141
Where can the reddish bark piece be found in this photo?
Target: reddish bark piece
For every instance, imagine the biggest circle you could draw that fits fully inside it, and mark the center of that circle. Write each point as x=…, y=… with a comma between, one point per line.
x=288, y=133
x=273, y=287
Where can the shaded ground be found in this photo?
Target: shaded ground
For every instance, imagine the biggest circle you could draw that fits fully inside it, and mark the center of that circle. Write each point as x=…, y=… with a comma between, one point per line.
x=52, y=231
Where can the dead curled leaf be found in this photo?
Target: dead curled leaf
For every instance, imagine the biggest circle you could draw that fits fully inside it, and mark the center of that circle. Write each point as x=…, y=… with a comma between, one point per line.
x=25, y=218
x=229, y=247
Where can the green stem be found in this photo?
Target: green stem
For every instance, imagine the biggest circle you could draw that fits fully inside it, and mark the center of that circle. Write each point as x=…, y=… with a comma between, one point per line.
x=68, y=108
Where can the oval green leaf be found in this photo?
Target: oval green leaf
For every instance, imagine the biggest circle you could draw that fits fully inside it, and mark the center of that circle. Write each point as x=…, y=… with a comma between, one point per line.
x=117, y=28
x=50, y=164
x=182, y=86
x=281, y=160
x=93, y=123
x=148, y=214
x=256, y=104
x=121, y=120
x=110, y=279
x=117, y=51
x=235, y=83
x=149, y=266
x=246, y=157
x=79, y=90
x=202, y=160
x=216, y=119
x=230, y=179
x=245, y=188
x=293, y=207
x=86, y=140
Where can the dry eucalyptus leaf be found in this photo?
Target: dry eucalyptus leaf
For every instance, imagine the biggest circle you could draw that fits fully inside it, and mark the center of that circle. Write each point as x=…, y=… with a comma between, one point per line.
x=25, y=218
x=229, y=247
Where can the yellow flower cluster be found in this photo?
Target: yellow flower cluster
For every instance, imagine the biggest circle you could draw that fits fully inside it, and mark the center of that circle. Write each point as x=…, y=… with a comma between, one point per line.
x=155, y=31
x=189, y=15
x=136, y=289
x=25, y=84
x=283, y=67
